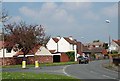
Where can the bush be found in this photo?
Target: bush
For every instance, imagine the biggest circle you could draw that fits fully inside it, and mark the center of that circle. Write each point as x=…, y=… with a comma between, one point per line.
x=114, y=52
x=71, y=55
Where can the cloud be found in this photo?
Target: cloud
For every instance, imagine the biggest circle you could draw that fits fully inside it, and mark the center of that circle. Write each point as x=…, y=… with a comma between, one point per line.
x=48, y=12
x=27, y=11
x=76, y=5
x=111, y=11
x=91, y=15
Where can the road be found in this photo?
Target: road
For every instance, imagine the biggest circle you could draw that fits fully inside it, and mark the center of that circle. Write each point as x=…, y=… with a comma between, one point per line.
x=93, y=70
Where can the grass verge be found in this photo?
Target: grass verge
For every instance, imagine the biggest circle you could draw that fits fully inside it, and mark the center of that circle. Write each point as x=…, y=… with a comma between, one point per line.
x=41, y=65
x=30, y=75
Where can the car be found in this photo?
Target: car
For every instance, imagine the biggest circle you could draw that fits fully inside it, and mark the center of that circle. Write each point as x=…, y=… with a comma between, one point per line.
x=83, y=60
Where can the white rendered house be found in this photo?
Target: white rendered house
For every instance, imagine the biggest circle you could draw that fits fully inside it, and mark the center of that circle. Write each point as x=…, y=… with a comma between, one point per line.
x=3, y=52
x=63, y=44
x=67, y=44
x=53, y=44
x=115, y=46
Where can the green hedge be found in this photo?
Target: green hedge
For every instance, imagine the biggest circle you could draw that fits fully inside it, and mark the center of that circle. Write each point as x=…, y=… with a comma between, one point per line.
x=71, y=55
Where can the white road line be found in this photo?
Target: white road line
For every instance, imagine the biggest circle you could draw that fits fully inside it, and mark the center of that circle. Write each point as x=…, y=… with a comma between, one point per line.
x=64, y=70
x=67, y=73
x=108, y=76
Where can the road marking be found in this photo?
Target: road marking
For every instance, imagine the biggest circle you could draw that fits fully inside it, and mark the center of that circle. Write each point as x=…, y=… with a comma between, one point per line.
x=67, y=73
x=108, y=76
x=64, y=70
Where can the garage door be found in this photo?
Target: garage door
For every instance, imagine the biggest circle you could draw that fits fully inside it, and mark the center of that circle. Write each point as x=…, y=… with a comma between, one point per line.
x=56, y=58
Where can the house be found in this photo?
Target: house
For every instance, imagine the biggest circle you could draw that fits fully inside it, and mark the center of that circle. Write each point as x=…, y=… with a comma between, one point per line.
x=95, y=44
x=39, y=53
x=63, y=44
x=53, y=44
x=115, y=46
x=6, y=52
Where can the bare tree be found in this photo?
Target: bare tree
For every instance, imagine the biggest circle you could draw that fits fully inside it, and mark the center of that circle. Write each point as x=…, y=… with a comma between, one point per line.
x=4, y=16
x=26, y=36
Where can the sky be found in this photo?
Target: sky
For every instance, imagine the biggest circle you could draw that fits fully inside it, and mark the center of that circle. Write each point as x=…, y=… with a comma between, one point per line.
x=85, y=21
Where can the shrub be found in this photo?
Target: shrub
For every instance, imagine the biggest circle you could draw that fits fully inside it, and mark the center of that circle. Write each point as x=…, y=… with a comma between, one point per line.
x=71, y=55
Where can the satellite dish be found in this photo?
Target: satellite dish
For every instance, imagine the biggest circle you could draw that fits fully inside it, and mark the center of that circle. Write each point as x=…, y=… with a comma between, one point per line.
x=107, y=21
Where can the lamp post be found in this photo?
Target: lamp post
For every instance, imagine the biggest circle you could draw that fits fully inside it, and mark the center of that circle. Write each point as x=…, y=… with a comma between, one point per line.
x=82, y=45
x=108, y=21
x=110, y=57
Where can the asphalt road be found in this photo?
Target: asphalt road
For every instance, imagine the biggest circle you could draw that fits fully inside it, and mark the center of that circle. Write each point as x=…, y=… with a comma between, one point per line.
x=93, y=70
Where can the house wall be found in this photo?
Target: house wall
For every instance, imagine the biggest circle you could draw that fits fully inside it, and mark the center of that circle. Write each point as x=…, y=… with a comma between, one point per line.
x=63, y=45
x=8, y=61
x=114, y=46
x=6, y=54
x=64, y=58
x=43, y=51
x=52, y=45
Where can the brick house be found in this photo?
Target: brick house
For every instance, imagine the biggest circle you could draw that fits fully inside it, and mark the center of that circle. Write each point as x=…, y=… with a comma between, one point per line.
x=38, y=53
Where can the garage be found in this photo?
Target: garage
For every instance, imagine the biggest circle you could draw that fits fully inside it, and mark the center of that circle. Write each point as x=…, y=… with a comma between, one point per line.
x=56, y=58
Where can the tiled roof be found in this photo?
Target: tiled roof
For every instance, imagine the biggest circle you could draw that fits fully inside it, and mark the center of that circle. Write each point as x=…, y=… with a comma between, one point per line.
x=70, y=41
x=117, y=42
x=31, y=52
x=52, y=51
x=98, y=49
x=55, y=39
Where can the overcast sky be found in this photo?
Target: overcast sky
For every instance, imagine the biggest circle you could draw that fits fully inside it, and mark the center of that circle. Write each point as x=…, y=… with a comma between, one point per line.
x=77, y=19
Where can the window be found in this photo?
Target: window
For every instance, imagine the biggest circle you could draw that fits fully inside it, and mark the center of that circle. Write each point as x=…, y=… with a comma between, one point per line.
x=8, y=50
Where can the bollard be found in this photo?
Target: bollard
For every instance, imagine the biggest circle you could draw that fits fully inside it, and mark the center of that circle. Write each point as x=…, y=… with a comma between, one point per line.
x=23, y=64
x=36, y=64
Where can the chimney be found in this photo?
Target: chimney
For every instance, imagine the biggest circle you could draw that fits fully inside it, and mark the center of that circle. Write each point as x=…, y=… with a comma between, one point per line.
x=70, y=37
x=58, y=37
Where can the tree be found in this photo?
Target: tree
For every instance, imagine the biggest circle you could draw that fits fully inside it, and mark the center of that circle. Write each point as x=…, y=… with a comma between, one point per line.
x=26, y=36
x=4, y=16
x=105, y=45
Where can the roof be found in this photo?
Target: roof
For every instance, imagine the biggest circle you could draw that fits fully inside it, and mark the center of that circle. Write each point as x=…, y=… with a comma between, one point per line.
x=31, y=52
x=52, y=51
x=70, y=41
x=95, y=43
x=96, y=50
x=117, y=42
x=55, y=39
x=85, y=49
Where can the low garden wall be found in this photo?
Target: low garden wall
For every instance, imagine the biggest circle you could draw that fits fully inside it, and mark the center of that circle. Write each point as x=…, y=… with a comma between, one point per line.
x=29, y=60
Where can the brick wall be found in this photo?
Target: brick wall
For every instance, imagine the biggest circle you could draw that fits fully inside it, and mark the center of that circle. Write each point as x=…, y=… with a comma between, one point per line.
x=30, y=60
x=40, y=59
x=64, y=58
x=8, y=61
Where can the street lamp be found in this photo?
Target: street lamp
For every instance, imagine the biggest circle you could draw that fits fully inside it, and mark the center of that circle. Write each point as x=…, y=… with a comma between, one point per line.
x=110, y=58
x=82, y=45
x=108, y=21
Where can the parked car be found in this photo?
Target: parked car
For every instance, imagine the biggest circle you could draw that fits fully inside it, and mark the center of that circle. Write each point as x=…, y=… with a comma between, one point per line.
x=83, y=60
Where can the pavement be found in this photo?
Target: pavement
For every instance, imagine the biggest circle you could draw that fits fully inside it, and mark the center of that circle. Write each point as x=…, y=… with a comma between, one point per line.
x=93, y=70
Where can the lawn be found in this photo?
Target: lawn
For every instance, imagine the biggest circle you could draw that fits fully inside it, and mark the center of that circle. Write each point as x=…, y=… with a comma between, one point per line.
x=30, y=75
x=42, y=65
